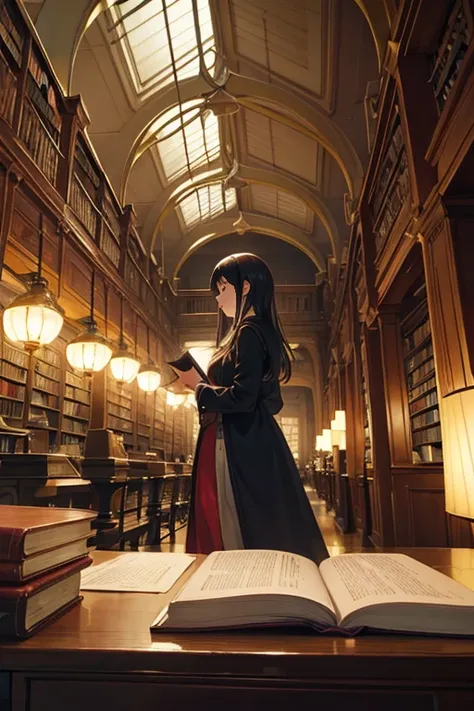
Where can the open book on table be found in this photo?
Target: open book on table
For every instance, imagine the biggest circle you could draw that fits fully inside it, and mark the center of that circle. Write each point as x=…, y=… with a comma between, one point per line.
x=258, y=588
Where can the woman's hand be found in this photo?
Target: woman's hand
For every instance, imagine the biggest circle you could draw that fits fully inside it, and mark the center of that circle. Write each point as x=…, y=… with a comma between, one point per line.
x=190, y=378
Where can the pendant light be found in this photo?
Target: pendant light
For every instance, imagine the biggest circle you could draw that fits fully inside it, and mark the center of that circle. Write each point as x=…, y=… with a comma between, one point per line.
x=35, y=318
x=149, y=377
x=123, y=365
x=89, y=351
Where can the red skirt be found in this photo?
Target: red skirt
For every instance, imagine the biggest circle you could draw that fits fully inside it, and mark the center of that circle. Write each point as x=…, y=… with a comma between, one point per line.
x=204, y=528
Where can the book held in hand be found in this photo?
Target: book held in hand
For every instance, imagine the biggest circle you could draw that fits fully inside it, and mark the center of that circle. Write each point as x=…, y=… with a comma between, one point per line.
x=186, y=362
x=376, y=591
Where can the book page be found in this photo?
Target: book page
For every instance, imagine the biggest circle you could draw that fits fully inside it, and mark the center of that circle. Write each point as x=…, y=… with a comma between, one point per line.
x=137, y=572
x=254, y=572
x=358, y=580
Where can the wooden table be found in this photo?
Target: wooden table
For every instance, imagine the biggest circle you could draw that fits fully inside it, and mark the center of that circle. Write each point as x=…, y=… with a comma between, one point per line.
x=102, y=655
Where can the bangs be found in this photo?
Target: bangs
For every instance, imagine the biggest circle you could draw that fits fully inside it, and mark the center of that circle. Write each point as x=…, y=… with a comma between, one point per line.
x=227, y=269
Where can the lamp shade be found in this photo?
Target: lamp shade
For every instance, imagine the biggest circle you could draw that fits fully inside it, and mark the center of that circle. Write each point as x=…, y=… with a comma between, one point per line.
x=170, y=398
x=319, y=442
x=34, y=318
x=124, y=366
x=339, y=420
x=326, y=441
x=457, y=421
x=89, y=351
x=149, y=378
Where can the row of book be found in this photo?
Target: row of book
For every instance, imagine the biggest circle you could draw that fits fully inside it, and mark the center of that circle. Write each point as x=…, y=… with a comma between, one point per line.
x=75, y=426
x=13, y=390
x=10, y=35
x=425, y=387
x=124, y=412
x=75, y=409
x=76, y=381
x=77, y=394
x=427, y=436
x=11, y=408
x=417, y=336
x=12, y=372
x=421, y=372
x=39, y=142
x=14, y=355
x=427, y=418
x=429, y=400
x=422, y=355
x=117, y=423
x=42, y=553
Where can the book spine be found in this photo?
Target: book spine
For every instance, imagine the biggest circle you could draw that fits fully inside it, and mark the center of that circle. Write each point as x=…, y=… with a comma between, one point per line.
x=13, y=617
x=11, y=544
x=11, y=572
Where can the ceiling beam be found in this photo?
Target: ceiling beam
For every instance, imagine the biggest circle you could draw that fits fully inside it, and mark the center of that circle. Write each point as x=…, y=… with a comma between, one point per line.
x=177, y=252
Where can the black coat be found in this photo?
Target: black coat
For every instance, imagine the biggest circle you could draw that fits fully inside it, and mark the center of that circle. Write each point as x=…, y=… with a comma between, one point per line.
x=273, y=509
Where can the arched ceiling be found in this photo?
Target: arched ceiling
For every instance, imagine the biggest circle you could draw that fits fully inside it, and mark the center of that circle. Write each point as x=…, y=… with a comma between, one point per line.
x=293, y=152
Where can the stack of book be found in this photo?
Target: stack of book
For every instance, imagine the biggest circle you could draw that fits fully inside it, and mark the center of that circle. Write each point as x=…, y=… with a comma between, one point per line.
x=42, y=553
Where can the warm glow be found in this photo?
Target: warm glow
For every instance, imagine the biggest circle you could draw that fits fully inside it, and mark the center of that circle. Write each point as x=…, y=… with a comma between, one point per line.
x=170, y=398
x=191, y=400
x=124, y=368
x=89, y=352
x=179, y=398
x=325, y=441
x=205, y=203
x=202, y=355
x=319, y=442
x=33, y=318
x=339, y=420
x=36, y=325
x=457, y=422
x=148, y=379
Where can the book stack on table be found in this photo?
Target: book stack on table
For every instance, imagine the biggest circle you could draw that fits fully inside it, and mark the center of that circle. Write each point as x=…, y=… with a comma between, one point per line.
x=42, y=553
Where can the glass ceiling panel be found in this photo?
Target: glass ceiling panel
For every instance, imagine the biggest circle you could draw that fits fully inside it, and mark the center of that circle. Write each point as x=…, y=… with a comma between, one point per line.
x=160, y=33
x=188, y=143
x=205, y=203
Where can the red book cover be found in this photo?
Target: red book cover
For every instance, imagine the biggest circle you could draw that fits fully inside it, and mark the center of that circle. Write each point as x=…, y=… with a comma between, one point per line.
x=14, y=598
x=16, y=522
x=15, y=571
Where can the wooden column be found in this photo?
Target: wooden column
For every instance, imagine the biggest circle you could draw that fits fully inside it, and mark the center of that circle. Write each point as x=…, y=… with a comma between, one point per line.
x=382, y=523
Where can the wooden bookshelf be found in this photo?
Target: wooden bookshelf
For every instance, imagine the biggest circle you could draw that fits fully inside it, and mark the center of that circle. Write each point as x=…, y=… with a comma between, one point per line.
x=452, y=47
x=120, y=410
x=158, y=434
x=110, y=228
x=14, y=364
x=46, y=388
x=169, y=432
x=145, y=403
x=75, y=412
x=421, y=377
x=367, y=433
x=85, y=187
x=11, y=49
x=41, y=119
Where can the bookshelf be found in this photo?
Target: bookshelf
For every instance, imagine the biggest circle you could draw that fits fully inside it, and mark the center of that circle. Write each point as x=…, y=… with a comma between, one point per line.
x=452, y=47
x=421, y=377
x=11, y=49
x=110, y=229
x=158, y=435
x=120, y=410
x=169, y=432
x=44, y=406
x=14, y=364
x=41, y=120
x=75, y=412
x=144, y=408
x=85, y=187
x=366, y=414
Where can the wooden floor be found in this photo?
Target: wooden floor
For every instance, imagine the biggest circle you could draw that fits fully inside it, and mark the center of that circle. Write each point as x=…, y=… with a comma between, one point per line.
x=336, y=541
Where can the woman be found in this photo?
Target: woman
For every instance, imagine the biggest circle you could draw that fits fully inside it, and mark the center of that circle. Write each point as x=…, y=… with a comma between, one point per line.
x=247, y=492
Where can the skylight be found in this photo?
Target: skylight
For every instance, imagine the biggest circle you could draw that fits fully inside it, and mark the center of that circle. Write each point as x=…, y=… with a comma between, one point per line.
x=160, y=34
x=205, y=203
x=187, y=141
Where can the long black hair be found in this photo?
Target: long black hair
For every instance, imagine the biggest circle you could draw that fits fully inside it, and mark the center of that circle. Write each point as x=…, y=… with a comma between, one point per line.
x=236, y=269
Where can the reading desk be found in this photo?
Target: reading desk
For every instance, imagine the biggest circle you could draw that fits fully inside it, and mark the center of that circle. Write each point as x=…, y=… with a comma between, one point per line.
x=102, y=655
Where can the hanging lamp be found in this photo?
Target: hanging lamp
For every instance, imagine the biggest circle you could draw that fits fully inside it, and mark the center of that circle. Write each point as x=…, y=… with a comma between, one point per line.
x=149, y=376
x=35, y=318
x=89, y=351
x=123, y=365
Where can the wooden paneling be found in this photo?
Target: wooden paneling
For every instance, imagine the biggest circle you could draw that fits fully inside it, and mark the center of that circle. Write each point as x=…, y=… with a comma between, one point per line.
x=420, y=518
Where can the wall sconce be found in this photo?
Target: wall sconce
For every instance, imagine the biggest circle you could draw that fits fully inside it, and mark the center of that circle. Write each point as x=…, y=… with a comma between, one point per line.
x=89, y=351
x=123, y=365
x=34, y=318
x=148, y=377
x=457, y=422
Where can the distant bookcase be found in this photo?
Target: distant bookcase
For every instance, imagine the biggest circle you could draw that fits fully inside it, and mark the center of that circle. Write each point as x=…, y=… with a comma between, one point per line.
x=44, y=410
x=119, y=410
x=76, y=413
x=366, y=414
x=421, y=377
x=158, y=435
x=144, y=413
